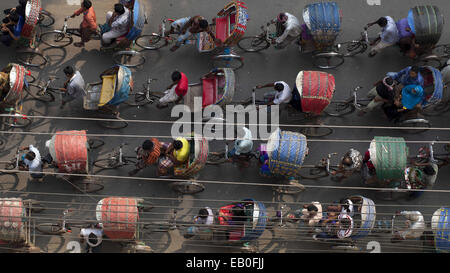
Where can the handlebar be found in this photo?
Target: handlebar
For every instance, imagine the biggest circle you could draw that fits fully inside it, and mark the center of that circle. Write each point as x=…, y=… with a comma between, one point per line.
x=357, y=88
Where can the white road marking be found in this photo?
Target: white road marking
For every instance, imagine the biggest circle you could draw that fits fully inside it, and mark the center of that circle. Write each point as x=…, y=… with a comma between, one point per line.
x=374, y=2
x=77, y=2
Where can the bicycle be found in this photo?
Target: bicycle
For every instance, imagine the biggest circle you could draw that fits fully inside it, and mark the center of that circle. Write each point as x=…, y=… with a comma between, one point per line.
x=15, y=119
x=143, y=97
x=44, y=92
x=322, y=169
x=115, y=160
x=62, y=226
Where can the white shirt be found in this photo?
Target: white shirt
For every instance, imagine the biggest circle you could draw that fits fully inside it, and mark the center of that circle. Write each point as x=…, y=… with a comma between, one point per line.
x=293, y=28
x=121, y=23
x=417, y=224
x=284, y=96
x=245, y=144
x=75, y=88
x=36, y=164
x=389, y=34
x=209, y=219
x=97, y=232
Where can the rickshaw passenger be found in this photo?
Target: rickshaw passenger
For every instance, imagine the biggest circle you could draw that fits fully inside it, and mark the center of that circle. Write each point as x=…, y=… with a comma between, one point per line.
x=312, y=213
x=415, y=226
x=283, y=92
x=89, y=24
x=180, y=149
x=19, y=9
x=382, y=93
x=10, y=31
x=351, y=162
x=32, y=161
x=73, y=87
x=242, y=145
x=147, y=155
x=118, y=22
x=176, y=91
x=288, y=29
x=388, y=36
x=407, y=76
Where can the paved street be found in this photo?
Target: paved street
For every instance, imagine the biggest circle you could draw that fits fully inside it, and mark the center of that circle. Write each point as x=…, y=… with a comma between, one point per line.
x=259, y=68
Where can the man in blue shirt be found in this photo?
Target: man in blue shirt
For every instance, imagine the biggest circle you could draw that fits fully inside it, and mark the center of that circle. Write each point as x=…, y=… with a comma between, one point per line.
x=408, y=76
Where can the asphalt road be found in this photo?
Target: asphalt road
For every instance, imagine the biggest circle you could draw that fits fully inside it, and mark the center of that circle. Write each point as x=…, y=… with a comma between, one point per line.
x=260, y=68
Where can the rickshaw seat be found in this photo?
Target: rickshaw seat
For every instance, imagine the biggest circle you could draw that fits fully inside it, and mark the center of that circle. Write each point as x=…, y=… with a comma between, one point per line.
x=108, y=88
x=222, y=28
x=209, y=91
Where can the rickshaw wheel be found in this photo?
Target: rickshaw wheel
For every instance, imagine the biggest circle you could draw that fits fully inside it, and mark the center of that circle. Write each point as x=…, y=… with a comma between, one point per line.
x=106, y=163
x=437, y=110
x=120, y=124
x=352, y=48
x=228, y=61
x=423, y=124
x=89, y=185
x=95, y=143
x=129, y=58
x=35, y=91
x=187, y=187
x=293, y=187
x=56, y=38
x=45, y=19
x=50, y=228
x=316, y=131
x=31, y=58
x=137, y=99
x=151, y=41
x=328, y=60
x=431, y=60
x=17, y=121
x=338, y=109
x=253, y=43
x=7, y=183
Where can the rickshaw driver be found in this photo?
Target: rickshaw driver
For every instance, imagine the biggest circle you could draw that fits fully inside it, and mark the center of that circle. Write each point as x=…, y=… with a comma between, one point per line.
x=415, y=226
x=73, y=87
x=117, y=22
x=283, y=92
x=388, y=36
x=147, y=155
x=242, y=148
x=176, y=91
x=382, y=94
x=288, y=29
x=32, y=161
x=311, y=214
x=351, y=162
x=204, y=218
x=89, y=24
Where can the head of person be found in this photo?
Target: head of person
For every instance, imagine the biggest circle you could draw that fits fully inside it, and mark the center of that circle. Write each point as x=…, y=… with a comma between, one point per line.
x=429, y=170
x=147, y=145
x=282, y=17
x=203, y=213
x=312, y=210
x=14, y=17
x=30, y=156
x=203, y=24
x=382, y=22
x=177, y=144
x=69, y=71
x=278, y=87
x=119, y=9
x=86, y=4
x=347, y=161
x=176, y=76
x=414, y=71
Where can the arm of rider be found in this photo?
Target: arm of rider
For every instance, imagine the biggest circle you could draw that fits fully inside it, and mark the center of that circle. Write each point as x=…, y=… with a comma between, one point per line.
x=283, y=36
x=187, y=26
x=267, y=85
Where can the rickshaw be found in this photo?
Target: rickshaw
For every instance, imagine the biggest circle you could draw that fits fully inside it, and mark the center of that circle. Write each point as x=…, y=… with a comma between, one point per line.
x=235, y=229
x=119, y=218
x=17, y=225
x=105, y=96
x=229, y=26
x=123, y=55
x=363, y=222
x=14, y=94
x=27, y=52
x=441, y=230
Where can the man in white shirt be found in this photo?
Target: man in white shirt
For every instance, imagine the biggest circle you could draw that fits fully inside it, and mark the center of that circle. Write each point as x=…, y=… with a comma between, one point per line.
x=282, y=94
x=119, y=22
x=74, y=86
x=205, y=218
x=389, y=35
x=289, y=29
x=32, y=161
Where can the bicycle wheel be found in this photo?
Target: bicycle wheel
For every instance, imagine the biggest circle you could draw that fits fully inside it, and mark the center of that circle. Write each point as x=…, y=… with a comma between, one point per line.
x=107, y=163
x=89, y=185
x=316, y=131
x=151, y=41
x=216, y=158
x=45, y=19
x=352, y=48
x=253, y=43
x=56, y=38
x=228, y=61
x=111, y=124
x=8, y=181
x=328, y=60
x=189, y=187
x=293, y=187
x=95, y=143
x=17, y=121
x=137, y=99
x=338, y=109
x=36, y=91
x=129, y=58
x=50, y=228
x=31, y=58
